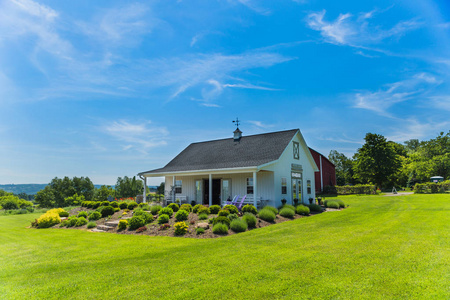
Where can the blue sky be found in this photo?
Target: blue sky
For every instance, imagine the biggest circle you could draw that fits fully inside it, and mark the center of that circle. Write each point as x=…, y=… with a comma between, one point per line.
x=112, y=88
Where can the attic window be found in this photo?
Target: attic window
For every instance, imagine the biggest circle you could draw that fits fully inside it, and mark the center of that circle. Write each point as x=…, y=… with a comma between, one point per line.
x=296, y=150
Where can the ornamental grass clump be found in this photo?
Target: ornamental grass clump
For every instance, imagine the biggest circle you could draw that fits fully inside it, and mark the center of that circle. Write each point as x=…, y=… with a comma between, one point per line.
x=238, y=225
x=289, y=206
x=214, y=209
x=81, y=221
x=273, y=209
x=187, y=207
x=82, y=214
x=91, y=225
x=94, y=216
x=332, y=204
x=155, y=209
x=136, y=221
x=338, y=201
x=181, y=215
x=287, y=212
x=302, y=210
x=180, y=228
x=267, y=215
x=202, y=216
x=166, y=211
x=220, y=228
x=123, y=224
x=223, y=213
x=250, y=209
x=107, y=211
x=163, y=219
x=231, y=208
x=250, y=219
x=174, y=207
x=232, y=217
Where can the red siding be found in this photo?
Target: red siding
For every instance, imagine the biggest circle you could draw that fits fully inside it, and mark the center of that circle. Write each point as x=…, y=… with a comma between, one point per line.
x=328, y=171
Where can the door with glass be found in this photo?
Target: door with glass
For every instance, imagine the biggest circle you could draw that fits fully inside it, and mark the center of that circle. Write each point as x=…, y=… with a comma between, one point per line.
x=296, y=190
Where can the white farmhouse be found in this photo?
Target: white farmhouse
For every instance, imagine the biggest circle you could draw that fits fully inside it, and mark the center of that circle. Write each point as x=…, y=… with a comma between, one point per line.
x=266, y=167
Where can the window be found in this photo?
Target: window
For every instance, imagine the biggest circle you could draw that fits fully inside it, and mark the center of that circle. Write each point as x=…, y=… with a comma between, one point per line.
x=283, y=186
x=308, y=186
x=250, y=185
x=178, y=184
x=296, y=150
x=226, y=189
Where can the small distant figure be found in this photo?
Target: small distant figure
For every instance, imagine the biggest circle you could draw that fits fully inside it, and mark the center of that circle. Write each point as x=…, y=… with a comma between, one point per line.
x=394, y=191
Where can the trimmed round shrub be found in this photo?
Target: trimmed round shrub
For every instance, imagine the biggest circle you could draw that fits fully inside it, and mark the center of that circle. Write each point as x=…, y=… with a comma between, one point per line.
x=315, y=208
x=123, y=205
x=302, y=210
x=94, y=216
x=91, y=225
x=202, y=216
x=116, y=209
x=250, y=209
x=163, y=219
x=267, y=215
x=273, y=209
x=71, y=221
x=81, y=221
x=180, y=228
x=223, y=220
x=107, y=211
x=144, y=206
x=123, y=224
x=196, y=208
x=200, y=230
x=166, y=211
x=250, y=219
x=63, y=214
x=105, y=203
x=238, y=225
x=220, y=228
x=214, y=209
x=155, y=209
x=48, y=220
x=289, y=206
x=203, y=210
x=333, y=204
x=96, y=204
x=232, y=217
x=187, y=207
x=132, y=205
x=181, y=215
x=136, y=221
x=231, y=208
x=82, y=214
x=287, y=212
x=174, y=207
x=223, y=213
x=147, y=217
x=114, y=204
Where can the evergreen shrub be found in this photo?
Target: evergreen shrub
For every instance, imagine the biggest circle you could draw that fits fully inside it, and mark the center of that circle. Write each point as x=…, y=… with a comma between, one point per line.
x=166, y=211
x=82, y=214
x=174, y=207
x=231, y=208
x=187, y=207
x=267, y=214
x=163, y=219
x=123, y=224
x=214, y=209
x=250, y=209
x=180, y=228
x=132, y=205
x=181, y=215
x=81, y=221
x=287, y=212
x=223, y=213
x=107, y=211
x=304, y=210
x=223, y=220
x=136, y=221
x=238, y=225
x=123, y=205
x=94, y=216
x=220, y=228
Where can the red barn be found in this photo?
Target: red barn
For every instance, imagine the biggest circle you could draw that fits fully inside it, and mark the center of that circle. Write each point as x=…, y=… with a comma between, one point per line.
x=327, y=171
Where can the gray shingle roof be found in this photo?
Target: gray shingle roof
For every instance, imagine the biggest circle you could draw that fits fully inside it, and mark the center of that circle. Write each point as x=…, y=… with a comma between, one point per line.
x=251, y=151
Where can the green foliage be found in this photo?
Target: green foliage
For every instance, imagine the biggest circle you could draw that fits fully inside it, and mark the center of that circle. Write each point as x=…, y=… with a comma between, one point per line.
x=232, y=217
x=107, y=211
x=91, y=225
x=223, y=213
x=81, y=221
x=128, y=187
x=214, y=209
x=250, y=219
x=338, y=201
x=132, y=205
x=166, y=211
x=315, y=208
x=180, y=227
x=64, y=214
x=136, y=222
x=231, y=208
x=9, y=202
x=155, y=209
x=332, y=204
x=343, y=166
x=123, y=205
x=220, y=228
x=94, y=216
x=74, y=200
x=267, y=214
x=271, y=208
x=174, y=207
x=71, y=221
x=203, y=216
x=203, y=210
x=181, y=215
x=432, y=187
x=102, y=193
x=196, y=208
x=48, y=219
x=123, y=224
x=359, y=189
x=304, y=210
x=250, y=208
x=287, y=212
x=81, y=214
x=163, y=218
x=223, y=220
x=200, y=231
x=114, y=204
x=238, y=225
x=187, y=207
x=145, y=215
x=288, y=206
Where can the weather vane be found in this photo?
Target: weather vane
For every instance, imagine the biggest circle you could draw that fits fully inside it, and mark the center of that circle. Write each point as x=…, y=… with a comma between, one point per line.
x=237, y=122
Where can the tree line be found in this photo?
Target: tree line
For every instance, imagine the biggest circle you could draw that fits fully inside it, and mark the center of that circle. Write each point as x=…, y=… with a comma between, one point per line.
x=388, y=164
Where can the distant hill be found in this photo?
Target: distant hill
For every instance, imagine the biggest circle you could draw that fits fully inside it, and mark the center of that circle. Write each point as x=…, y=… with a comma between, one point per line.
x=32, y=189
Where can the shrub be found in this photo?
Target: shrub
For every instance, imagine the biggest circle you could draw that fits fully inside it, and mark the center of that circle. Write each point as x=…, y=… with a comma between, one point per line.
x=231, y=208
x=214, y=209
x=123, y=205
x=200, y=230
x=202, y=216
x=141, y=229
x=187, y=207
x=223, y=220
x=288, y=206
x=95, y=204
x=368, y=189
x=164, y=227
x=332, y=204
x=105, y=203
x=63, y=214
x=81, y=221
x=144, y=206
x=304, y=210
x=155, y=209
x=175, y=207
x=71, y=221
x=249, y=208
x=210, y=221
x=82, y=214
x=232, y=217
x=267, y=215
x=338, y=201
x=166, y=211
x=180, y=228
x=203, y=210
x=315, y=207
x=114, y=204
x=238, y=225
x=54, y=211
x=91, y=225
x=271, y=208
x=250, y=219
x=163, y=219
x=220, y=228
x=223, y=213
x=196, y=208
x=132, y=205
x=145, y=215
x=48, y=220
x=136, y=222
x=94, y=216
x=287, y=212
x=123, y=224
x=107, y=211
x=116, y=209
x=181, y=215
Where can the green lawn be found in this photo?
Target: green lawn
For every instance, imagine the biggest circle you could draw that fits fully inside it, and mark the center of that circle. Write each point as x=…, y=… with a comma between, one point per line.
x=378, y=248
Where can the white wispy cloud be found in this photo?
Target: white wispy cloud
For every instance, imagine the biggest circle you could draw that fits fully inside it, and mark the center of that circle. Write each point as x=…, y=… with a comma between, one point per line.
x=441, y=102
x=411, y=128
x=261, y=125
x=255, y=6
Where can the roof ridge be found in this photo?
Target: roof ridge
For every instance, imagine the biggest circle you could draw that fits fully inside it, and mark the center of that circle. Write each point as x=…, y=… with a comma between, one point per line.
x=244, y=136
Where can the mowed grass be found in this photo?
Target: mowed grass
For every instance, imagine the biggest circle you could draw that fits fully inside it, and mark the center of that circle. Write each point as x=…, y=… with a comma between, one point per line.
x=378, y=248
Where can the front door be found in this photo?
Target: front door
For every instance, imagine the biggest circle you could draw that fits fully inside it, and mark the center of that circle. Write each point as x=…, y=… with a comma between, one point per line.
x=296, y=190
x=215, y=191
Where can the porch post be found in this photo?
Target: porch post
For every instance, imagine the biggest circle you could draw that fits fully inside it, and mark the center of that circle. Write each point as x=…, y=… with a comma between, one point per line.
x=145, y=190
x=173, y=189
x=210, y=189
x=255, y=190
